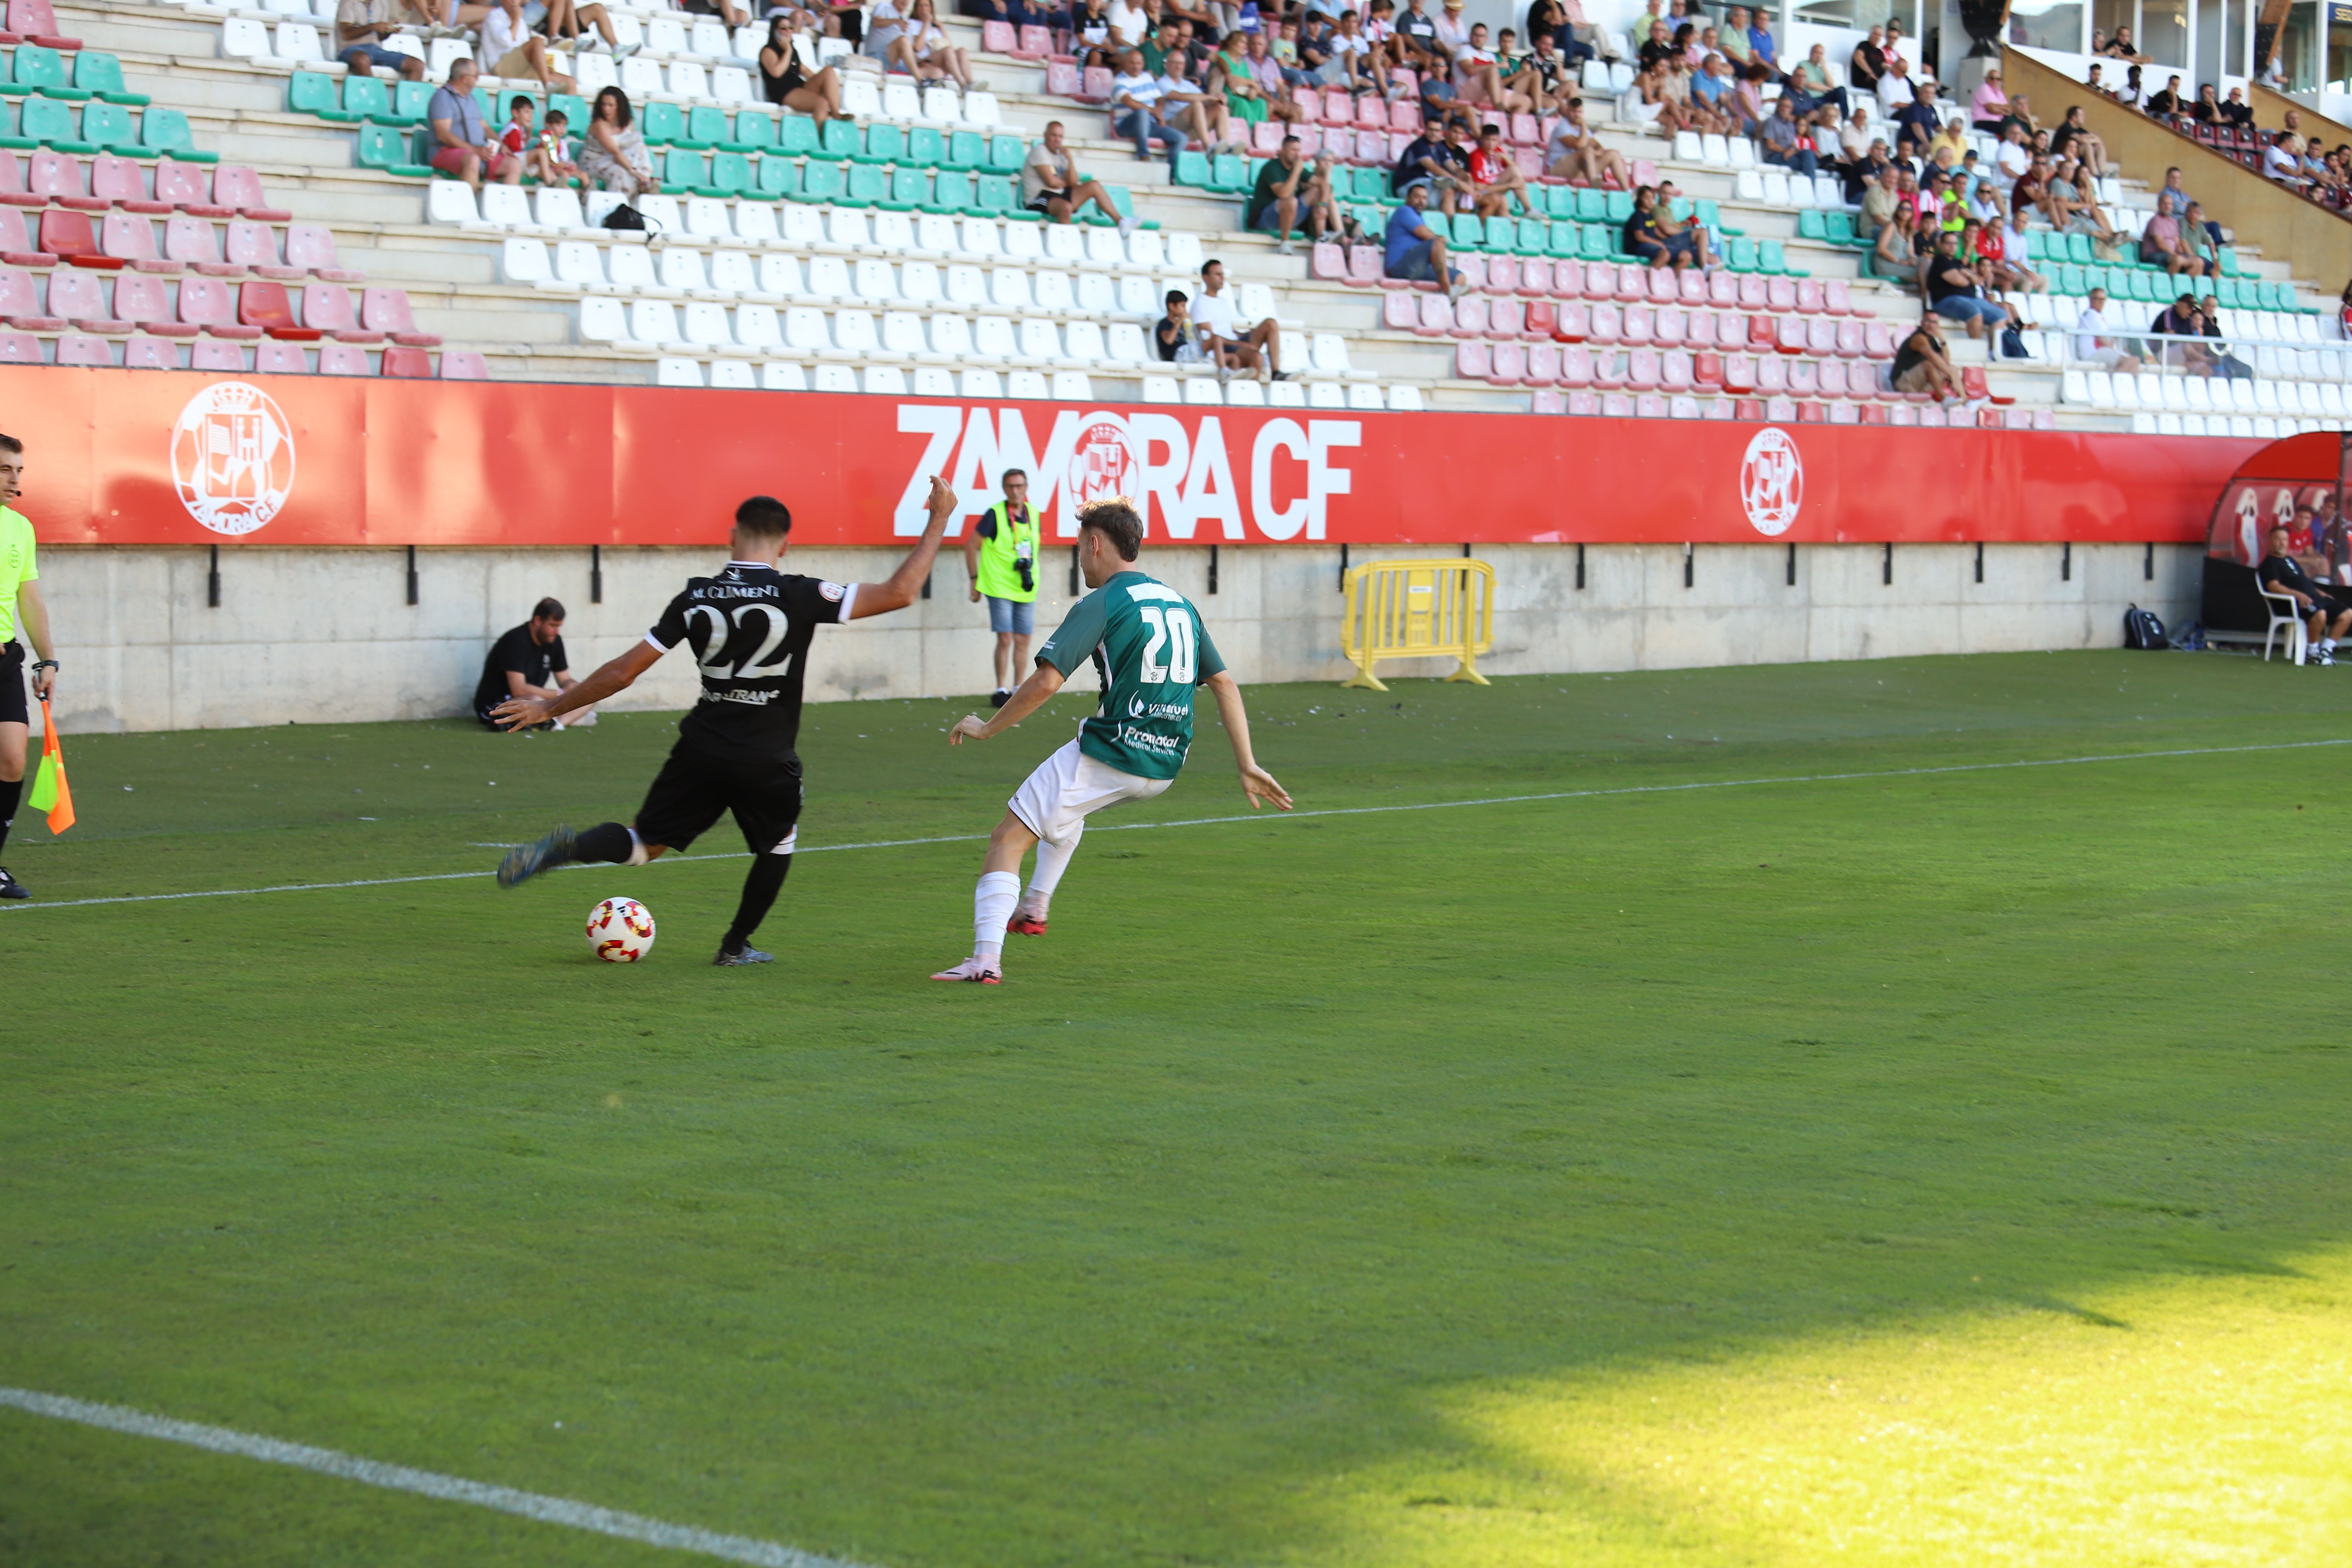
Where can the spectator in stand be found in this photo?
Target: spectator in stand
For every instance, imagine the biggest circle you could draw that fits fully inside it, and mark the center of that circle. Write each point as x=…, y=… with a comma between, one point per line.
x=1651, y=236
x=1814, y=84
x=2130, y=95
x=886, y=36
x=2071, y=208
x=522, y=143
x=1657, y=48
x=1868, y=62
x=1291, y=194
x=1713, y=105
x=1667, y=97
x=1267, y=72
x=2280, y=161
x=1052, y=186
x=937, y=59
x=2167, y=104
x=1171, y=336
x=360, y=29
x=785, y=80
x=463, y=143
x=1495, y=176
x=2281, y=573
x=1134, y=110
x=2197, y=233
x=1417, y=39
x=1916, y=126
x=1231, y=343
x=2161, y=245
x=2012, y=159
x=2094, y=339
x=528, y=660
x=2007, y=272
x=2073, y=139
x=1950, y=143
x=1247, y=99
x=2122, y=48
x=1127, y=25
x=1684, y=231
x=1923, y=364
x=1575, y=153
x=1453, y=30
x=1478, y=78
x=1414, y=251
x=1763, y=56
x=514, y=51
x=612, y=154
x=1784, y=140
x=1881, y=199
x=1894, y=48
x=1090, y=33
x=1732, y=41
x=1549, y=77
x=1989, y=105
x=1436, y=162
x=2235, y=110
x=551, y=162
x=1954, y=293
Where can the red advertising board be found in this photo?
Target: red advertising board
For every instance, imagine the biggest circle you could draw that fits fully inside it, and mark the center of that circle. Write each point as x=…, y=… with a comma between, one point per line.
x=151, y=457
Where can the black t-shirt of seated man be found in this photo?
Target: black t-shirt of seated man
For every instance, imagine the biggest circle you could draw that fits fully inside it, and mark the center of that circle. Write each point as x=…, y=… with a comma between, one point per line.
x=515, y=651
x=1941, y=270
x=2286, y=573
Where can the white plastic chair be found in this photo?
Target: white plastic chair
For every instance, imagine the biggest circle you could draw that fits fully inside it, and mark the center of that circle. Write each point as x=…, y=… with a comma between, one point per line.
x=1026, y=384
x=1161, y=389
x=677, y=371
x=784, y=375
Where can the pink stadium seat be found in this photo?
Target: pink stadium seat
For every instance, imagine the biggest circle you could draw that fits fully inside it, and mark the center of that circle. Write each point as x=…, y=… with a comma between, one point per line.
x=37, y=20
x=1469, y=316
x=1536, y=278
x=1821, y=335
x=1804, y=379
x=17, y=246
x=1740, y=374
x=311, y=248
x=327, y=308
x=145, y=353
x=147, y=301
x=997, y=37
x=1771, y=374
x=1265, y=138
x=119, y=182
x=1546, y=401
x=1699, y=330
x=1675, y=370
x=1505, y=319
x=1404, y=119
x=1642, y=369
x=412, y=364
x=1473, y=270
x=1575, y=321
x=1328, y=262
x=1035, y=43
x=1632, y=283
x=207, y=302
x=81, y=348
x=1339, y=143
x=1779, y=410
x=1875, y=412
x=207, y=354
x=69, y=237
x=1398, y=313
x=1364, y=265
x=1436, y=317
x=1931, y=418
x=1693, y=287
x=280, y=359
x=2045, y=419
x=194, y=240
x=1616, y=406
x=266, y=304
x=1812, y=413
x=1877, y=342
x=1543, y=319
x=1844, y=414
x=1583, y=404
x=80, y=298
x=1651, y=405
x=131, y=237
x=1665, y=287
x=1311, y=138
x=1473, y=361
x=386, y=311
x=1608, y=325
x=1782, y=292
x=1609, y=371
x=1543, y=364
x=1095, y=85
x=1670, y=328
x=1849, y=339
x=188, y=187
x=1510, y=364
x=1638, y=326
x=1831, y=375
x=12, y=183
x=1061, y=81
x=58, y=177
x=20, y=303
x=1837, y=297
x=1600, y=280
x=1338, y=107
x=464, y=367
x=1755, y=294
x=1809, y=297
x=1748, y=410
x=1503, y=274
x=1371, y=112
x=342, y=358
x=1576, y=365
x=1707, y=371
x=255, y=244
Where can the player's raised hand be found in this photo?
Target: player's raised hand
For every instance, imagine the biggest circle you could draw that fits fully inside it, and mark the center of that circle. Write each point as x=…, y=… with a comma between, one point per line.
x=1261, y=788
x=521, y=712
x=970, y=724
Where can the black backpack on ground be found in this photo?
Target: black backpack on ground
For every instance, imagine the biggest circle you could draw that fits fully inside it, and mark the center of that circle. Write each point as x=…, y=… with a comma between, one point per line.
x=2143, y=630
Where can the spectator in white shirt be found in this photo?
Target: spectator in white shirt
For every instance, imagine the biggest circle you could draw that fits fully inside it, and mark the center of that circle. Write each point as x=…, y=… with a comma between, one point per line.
x=515, y=51
x=1231, y=346
x=2011, y=158
x=1452, y=30
x=1894, y=88
x=2280, y=161
x=1129, y=25
x=2092, y=341
x=1135, y=111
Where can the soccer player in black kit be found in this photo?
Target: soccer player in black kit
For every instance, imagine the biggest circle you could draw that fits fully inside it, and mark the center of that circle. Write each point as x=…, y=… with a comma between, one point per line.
x=748, y=628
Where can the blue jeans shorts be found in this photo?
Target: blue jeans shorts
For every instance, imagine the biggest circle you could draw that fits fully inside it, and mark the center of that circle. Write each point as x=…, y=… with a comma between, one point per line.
x=377, y=57
x=1960, y=308
x=1018, y=616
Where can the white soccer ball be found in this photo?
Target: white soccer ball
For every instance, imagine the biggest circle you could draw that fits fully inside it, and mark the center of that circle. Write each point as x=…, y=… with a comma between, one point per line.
x=621, y=931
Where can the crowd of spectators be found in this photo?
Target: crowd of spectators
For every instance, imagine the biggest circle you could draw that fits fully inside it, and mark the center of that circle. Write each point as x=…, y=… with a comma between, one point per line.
x=2286, y=154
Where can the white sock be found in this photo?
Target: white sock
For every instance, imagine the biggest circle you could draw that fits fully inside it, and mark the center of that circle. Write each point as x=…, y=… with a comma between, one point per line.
x=638, y=856
x=992, y=907
x=1052, y=859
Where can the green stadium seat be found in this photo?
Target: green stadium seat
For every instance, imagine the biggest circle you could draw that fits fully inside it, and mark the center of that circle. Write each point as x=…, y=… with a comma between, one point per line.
x=868, y=186
x=998, y=195
x=381, y=147
x=1594, y=242
x=2067, y=278
x=101, y=73
x=779, y=177
x=572, y=106
x=1192, y=169
x=315, y=92
x=926, y=148
x=1712, y=216
x=730, y=175
x=1124, y=200
x=885, y=143
x=797, y=135
x=1591, y=205
x=821, y=181
x=1740, y=256
x=42, y=70
x=50, y=122
x=911, y=190
x=1839, y=226
x=1464, y=229
x=2078, y=249
x=967, y=152
x=684, y=167
x=953, y=192
x=2229, y=268
x=1005, y=154
x=1812, y=224
x=1620, y=204
x=841, y=140
x=1229, y=174
x=755, y=131
x=661, y=124
x=10, y=139
x=409, y=99
x=364, y=96
x=706, y=126
x=110, y=126
x=1535, y=237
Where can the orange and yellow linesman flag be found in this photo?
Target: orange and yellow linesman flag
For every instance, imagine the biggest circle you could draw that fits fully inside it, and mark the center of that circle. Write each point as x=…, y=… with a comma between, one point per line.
x=50, y=793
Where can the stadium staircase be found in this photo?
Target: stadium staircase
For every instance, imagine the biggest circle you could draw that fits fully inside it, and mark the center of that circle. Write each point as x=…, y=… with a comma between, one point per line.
x=491, y=278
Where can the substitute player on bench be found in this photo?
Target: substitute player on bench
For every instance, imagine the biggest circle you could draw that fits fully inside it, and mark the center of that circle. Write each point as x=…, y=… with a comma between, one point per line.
x=1149, y=650
x=748, y=628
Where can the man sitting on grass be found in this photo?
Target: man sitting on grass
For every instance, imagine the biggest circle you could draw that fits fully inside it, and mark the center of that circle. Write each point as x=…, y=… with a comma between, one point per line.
x=528, y=660
x=2281, y=573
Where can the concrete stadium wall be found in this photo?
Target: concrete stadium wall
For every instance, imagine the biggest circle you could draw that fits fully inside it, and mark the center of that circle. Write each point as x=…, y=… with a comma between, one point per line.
x=312, y=636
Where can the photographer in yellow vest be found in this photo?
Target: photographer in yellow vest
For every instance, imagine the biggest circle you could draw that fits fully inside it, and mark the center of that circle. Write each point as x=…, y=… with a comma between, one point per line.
x=1001, y=554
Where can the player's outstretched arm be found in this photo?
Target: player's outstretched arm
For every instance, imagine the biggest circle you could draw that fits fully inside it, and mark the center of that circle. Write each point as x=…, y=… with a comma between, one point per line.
x=618, y=674
x=906, y=581
x=1256, y=783
x=1033, y=694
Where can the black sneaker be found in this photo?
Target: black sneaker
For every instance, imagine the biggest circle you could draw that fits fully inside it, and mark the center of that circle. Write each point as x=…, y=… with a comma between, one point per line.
x=729, y=957
x=525, y=861
x=10, y=888
x=999, y=697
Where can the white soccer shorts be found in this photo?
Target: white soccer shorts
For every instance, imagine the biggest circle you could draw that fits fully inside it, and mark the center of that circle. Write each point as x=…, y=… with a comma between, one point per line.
x=1069, y=786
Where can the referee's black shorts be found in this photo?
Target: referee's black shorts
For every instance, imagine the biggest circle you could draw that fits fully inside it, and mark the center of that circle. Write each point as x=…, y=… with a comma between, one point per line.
x=13, y=709
x=695, y=789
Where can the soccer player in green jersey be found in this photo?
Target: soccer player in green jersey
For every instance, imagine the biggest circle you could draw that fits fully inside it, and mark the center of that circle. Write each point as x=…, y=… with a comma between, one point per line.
x=1149, y=647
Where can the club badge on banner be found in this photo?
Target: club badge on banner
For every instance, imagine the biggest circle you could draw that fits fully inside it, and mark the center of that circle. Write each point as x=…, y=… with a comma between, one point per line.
x=154, y=459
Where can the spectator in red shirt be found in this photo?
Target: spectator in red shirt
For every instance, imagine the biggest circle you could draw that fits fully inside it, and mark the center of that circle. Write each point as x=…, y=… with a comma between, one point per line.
x=1495, y=176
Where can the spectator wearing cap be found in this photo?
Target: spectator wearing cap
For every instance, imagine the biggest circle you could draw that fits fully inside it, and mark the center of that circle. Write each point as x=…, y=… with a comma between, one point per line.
x=1414, y=251
x=2094, y=339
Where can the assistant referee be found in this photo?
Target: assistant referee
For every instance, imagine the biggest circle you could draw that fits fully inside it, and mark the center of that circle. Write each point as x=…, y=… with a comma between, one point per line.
x=20, y=602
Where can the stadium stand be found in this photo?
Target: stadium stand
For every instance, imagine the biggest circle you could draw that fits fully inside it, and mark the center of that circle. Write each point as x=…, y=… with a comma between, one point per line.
x=892, y=252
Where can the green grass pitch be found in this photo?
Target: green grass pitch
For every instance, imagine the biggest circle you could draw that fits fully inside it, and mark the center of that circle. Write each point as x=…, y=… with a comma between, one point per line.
x=1928, y=1167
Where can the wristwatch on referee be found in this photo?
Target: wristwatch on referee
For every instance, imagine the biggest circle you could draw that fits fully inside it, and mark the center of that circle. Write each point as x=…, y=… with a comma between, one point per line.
x=44, y=664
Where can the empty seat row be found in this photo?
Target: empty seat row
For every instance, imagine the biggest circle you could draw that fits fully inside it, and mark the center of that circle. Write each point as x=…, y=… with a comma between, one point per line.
x=2262, y=426
x=892, y=336
x=1635, y=326
x=123, y=239
x=2205, y=394
x=85, y=128
x=1677, y=370
x=187, y=307
x=169, y=184
x=924, y=381
x=267, y=357
x=1625, y=282
x=1363, y=397
x=1787, y=411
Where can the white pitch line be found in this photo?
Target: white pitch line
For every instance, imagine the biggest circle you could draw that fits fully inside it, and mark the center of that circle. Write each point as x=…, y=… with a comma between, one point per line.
x=1259, y=816
x=425, y=1483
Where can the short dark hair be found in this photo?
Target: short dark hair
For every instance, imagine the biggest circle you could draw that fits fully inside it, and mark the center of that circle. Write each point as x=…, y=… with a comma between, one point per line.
x=10, y=444
x=1290, y=140
x=1012, y=474
x=765, y=516
x=1175, y=295
x=557, y=117
x=549, y=609
x=1115, y=519
x=521, y=101
x=1212, y=261
x=1490, y=131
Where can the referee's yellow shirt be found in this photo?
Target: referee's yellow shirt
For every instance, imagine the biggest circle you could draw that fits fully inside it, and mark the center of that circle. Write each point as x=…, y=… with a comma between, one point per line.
x=17, y=566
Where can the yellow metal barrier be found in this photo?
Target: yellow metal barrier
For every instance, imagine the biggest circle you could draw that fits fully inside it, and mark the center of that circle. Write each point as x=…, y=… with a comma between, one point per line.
x=1419, y=609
